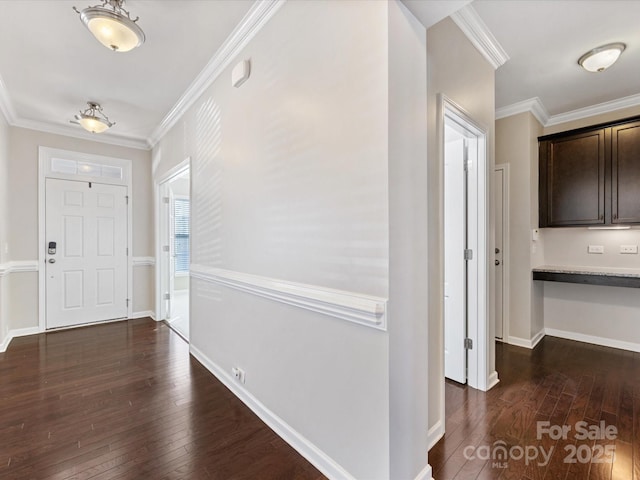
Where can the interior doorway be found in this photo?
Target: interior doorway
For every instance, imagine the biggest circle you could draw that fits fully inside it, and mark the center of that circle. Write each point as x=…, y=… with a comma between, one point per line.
x=174, y=249
x=467, y=338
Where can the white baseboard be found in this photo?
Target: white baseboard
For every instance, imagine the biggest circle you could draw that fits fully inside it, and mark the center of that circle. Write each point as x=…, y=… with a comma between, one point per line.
x=19, y=332
x=605, y=342
x=327, y=466
x=142, y=314
x=523, y=342
x=434, y=434
x=425, y=474
x=493, y=380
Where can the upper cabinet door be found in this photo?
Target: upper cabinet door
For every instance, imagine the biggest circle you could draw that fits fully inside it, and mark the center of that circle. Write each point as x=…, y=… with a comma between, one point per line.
x=572, y=180
x=625, y=173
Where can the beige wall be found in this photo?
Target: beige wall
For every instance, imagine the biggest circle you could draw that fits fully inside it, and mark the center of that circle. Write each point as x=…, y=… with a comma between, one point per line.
x=23, y=170
x=517, y=146
x=23, y=214
x=459, y=71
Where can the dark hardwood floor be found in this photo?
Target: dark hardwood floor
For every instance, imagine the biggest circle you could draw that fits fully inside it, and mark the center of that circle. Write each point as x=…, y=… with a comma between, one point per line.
x=561, y=382
x=126, y=401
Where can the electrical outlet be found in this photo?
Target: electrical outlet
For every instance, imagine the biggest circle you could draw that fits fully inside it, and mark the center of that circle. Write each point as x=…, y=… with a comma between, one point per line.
x=238, y=374
x=628, y=248
x=595, y=249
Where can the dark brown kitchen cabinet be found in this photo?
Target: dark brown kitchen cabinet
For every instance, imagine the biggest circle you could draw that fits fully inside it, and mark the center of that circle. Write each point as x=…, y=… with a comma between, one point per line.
x=625, y=173
x=590, y=176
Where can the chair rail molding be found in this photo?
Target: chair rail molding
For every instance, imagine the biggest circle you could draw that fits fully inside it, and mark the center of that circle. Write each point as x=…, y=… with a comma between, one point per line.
x=18, y=266
x=355, y=307
x=144, y=261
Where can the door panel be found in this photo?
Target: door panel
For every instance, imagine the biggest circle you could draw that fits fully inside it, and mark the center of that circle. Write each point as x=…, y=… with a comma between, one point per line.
x=455, y=276
x=86, y=277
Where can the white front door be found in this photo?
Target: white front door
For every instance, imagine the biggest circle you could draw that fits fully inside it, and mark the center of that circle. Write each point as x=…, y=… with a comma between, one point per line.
x=499, y=257
x=86, y=252
x=455, y=269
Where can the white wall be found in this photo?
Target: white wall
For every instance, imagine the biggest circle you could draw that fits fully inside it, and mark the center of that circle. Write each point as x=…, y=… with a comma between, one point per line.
x=408, y=245
x=314, y=172
x=459, y=71
x=23, y=215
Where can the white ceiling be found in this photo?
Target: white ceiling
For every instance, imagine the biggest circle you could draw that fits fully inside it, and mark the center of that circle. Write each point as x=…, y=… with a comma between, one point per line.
x=50, y=65
x=544, y=40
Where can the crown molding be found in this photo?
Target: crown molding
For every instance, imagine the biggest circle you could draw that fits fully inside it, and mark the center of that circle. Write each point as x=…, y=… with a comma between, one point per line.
x=537, y=109
x=598, y=109
x=252, y=23
x=79, y=132
x=468, y=20
x=533, y=105
x=6, y=107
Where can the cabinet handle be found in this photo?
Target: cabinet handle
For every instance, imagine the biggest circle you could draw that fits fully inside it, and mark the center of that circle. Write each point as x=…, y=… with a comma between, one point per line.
x=615, y=216
x=601, y=217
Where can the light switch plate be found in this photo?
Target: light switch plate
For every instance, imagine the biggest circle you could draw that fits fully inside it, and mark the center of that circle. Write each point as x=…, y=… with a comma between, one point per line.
x=595, y=249
x=629, y=249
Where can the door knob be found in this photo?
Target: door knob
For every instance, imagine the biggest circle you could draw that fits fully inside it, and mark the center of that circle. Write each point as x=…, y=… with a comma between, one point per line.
x=497, y=262
x=52, y=260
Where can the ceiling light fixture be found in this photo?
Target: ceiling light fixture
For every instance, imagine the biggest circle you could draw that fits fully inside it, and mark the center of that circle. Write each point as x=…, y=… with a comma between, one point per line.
x=601, y=58
x=112, y=26
x=93, y=120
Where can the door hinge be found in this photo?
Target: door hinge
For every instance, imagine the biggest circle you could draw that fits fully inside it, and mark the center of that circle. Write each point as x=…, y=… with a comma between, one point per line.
x=165, y=199
x=167, y=296
x=165, y=248
x=127, y=251
x=127, y=302
x=468, y=254
x=126, y=198
x=468, y=344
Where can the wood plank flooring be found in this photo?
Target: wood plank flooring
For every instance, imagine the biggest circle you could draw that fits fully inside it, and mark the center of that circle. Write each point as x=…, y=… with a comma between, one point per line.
x=126, y=401
x=561, y=382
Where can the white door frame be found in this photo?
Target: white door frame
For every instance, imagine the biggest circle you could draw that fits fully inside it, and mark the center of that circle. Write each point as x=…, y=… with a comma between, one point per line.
x=45, y=157
x=161, y=265
x=480, y=374
x=505, y=250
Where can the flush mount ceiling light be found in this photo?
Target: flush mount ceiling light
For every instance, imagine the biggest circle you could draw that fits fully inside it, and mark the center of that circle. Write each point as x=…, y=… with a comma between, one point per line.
x=601, y=58
x=93, y=120
x=112, y=26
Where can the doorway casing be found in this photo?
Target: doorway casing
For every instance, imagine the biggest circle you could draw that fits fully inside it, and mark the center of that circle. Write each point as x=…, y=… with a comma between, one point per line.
x=481, y=373
x=162, y=266
x=45, y=157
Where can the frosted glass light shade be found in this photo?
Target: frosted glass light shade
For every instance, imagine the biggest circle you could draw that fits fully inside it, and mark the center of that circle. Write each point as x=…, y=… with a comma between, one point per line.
x=93, y=124
x=113, y=30
x=601, y=58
